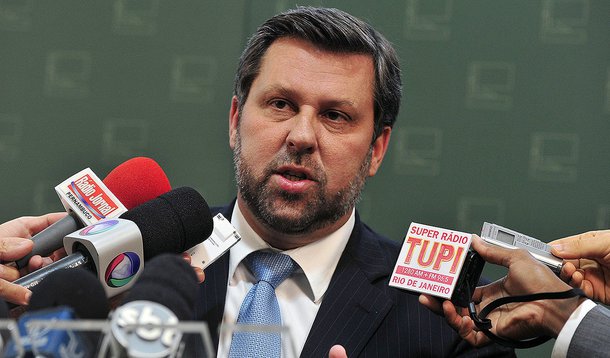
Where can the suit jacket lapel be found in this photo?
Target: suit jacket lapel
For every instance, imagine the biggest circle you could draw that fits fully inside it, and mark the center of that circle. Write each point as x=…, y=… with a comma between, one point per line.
x=352, y=307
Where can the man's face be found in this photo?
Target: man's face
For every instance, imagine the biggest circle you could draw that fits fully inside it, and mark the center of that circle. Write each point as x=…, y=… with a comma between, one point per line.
x=302, y=144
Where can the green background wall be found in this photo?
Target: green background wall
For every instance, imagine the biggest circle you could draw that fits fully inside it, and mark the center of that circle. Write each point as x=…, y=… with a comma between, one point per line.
x=505, y=117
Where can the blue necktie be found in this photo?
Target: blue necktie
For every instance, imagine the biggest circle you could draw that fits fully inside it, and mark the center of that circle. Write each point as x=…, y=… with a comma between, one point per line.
x=260, y=306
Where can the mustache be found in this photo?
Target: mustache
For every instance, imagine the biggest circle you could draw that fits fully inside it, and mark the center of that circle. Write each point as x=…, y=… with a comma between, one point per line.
x=304, y=160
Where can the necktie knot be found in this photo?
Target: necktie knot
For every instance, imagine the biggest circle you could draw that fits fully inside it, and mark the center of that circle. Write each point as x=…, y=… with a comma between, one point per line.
x=270, y=267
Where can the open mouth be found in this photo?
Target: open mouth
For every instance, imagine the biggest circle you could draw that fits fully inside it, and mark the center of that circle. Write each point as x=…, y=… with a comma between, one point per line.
x=294, y=176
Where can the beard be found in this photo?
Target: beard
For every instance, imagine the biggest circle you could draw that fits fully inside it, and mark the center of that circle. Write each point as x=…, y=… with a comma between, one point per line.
x=320, y=208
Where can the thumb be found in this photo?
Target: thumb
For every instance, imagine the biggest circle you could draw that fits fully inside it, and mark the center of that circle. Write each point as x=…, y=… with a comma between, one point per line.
x=493, y=254
x=590, y=245
x=337, y=351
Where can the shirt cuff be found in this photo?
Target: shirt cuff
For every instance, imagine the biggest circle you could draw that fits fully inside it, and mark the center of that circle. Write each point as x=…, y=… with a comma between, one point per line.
x=560, y=349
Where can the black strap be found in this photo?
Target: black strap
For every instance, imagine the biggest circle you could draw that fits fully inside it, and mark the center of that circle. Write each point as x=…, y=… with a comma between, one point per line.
x=484, y=324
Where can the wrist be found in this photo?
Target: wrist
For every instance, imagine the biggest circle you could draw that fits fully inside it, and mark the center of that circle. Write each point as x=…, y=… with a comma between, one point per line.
x=557, y=313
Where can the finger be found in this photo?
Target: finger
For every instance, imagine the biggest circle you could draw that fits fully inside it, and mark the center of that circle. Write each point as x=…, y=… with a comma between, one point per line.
x=13, y=248
x=337, y=351
x=590, y=245
x=200, y=274
x=186, y=256
x=451, y=315
x=587, y=288
x=463, y=325
x=567, y=271
x=577, y=279
x=491, y=253
x=9, y=273
x=14, y=293
x=431, y=303
x=58, y=254
x=36, y=262
x=35, y=224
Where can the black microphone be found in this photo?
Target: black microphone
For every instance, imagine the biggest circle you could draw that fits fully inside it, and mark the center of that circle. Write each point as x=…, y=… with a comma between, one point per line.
x=77, y=288
x=114, y=249
x=165, y=293
x=65, y=295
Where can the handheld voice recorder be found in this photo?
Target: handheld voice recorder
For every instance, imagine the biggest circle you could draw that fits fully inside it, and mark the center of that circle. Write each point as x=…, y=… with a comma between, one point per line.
x=501, y=236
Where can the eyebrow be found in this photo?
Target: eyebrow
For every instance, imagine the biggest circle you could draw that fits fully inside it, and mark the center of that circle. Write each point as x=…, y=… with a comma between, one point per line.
x=283, y=91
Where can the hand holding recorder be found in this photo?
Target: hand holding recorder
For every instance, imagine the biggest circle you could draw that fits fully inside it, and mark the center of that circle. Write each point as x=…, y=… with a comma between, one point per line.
x=515, y=321
x=587, y=262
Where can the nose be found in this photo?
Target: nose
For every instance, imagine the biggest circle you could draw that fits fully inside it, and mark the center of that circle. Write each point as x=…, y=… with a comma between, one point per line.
x=301, y=138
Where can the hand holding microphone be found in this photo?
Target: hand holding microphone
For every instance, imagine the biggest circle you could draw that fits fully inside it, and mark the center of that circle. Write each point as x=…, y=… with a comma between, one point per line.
x=14, y=243
x=115, y=249
x=128, y=185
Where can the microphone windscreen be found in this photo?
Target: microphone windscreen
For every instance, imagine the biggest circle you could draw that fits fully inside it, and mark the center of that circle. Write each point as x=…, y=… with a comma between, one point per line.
x=77, y=288
x=3, y=310
x=137, y=181
x=172, y=222
x=170, y=281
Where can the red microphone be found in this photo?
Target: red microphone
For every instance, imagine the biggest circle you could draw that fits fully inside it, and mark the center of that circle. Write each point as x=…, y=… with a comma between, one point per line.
x=137, y=181
x=133, y=182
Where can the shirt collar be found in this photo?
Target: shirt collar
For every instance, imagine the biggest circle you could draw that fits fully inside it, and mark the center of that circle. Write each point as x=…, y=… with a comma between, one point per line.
x=318, y=260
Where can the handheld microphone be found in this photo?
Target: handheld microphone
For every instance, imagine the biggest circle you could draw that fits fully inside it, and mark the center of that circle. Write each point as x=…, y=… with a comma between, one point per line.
x=165, y=294
x=115, y=249
x=88, y=200
x=78, y=289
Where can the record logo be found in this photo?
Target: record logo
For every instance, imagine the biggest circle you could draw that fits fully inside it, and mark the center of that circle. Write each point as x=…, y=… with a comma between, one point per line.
x=122, y=269
x=98, y=228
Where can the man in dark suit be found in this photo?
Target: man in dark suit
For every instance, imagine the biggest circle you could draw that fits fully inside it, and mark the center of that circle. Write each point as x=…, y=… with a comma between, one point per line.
x=317, y=92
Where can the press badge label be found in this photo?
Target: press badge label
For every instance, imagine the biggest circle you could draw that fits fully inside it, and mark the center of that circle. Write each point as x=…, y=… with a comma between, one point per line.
x=430, y=260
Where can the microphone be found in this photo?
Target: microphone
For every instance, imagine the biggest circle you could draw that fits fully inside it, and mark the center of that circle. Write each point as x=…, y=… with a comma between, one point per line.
x=65, y=295
x=88, y=200
x=77, y=288
x=137, y=181
x=114, y=249
x=165, y=294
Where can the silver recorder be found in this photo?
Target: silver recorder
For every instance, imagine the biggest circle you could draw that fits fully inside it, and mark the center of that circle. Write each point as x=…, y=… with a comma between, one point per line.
x=501, y=236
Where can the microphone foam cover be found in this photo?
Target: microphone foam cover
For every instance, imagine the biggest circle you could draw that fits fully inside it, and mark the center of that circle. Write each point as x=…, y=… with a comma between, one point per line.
x=77, y=288
x=3, y=309
x=173, y=222
x=170, y=281
x=137, y=181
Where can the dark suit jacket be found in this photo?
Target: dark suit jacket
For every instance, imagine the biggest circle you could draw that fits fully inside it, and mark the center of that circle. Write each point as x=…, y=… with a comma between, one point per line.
x=591, y=336
x=359, y=310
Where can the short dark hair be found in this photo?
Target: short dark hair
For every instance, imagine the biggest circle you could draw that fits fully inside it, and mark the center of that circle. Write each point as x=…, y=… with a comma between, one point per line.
x=331, y=30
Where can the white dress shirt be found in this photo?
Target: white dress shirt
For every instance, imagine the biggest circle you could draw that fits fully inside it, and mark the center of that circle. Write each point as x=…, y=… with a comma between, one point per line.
x=560, y=349
x=299, y=296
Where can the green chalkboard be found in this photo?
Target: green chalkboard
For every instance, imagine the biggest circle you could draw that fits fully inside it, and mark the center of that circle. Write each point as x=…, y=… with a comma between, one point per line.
x=505, y=116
